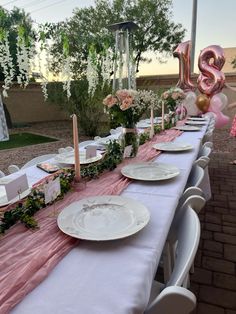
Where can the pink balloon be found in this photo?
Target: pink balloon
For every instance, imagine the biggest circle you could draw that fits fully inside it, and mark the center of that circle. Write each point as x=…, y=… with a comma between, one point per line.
x=216, y=105
x=211, y=79
x=221, y=120
x=182, y=52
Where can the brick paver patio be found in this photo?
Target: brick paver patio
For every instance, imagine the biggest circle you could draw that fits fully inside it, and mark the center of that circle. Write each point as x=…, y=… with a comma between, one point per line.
x=214, y=279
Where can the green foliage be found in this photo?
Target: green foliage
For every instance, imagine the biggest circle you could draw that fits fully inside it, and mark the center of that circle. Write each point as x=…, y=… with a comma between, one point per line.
x=89, y=109
x=234, y=63
x=25, y=211
x=12, y=22
x=88, y=27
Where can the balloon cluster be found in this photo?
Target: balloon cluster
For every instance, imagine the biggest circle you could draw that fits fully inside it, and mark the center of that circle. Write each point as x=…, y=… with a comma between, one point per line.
x=210, y=82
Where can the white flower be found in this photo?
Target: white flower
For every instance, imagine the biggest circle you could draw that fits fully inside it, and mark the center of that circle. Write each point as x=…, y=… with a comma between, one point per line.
x=66, y=74
x=6, y=64
x=92, y=75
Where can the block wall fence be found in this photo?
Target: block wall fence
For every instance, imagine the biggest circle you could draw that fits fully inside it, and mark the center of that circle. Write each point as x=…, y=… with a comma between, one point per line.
x=28, y=106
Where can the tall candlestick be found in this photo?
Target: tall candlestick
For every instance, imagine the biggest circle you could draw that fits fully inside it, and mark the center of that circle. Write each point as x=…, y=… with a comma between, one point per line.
x=152, y=124
x=76, y=148
x=162, y=116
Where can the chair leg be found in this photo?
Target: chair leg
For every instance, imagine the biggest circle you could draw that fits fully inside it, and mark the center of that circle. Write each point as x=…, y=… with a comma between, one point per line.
x=167, y=262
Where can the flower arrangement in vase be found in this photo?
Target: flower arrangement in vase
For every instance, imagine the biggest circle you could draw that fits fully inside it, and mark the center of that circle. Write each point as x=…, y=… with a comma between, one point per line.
x=172, y=98
x=126, y=107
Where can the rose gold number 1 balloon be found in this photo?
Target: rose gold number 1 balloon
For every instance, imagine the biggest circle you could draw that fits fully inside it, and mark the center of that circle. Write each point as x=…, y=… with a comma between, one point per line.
x=182, y=52
x=211, y=80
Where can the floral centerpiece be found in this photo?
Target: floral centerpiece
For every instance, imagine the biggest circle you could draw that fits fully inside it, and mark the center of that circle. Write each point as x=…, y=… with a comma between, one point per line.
x=126, y=107
x=172, y=98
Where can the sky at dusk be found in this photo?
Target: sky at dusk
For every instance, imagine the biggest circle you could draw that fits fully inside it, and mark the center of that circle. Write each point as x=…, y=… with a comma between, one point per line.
x=215, y=23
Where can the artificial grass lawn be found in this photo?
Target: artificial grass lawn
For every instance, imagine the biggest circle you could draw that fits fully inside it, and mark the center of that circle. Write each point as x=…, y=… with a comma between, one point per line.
x=25, y=139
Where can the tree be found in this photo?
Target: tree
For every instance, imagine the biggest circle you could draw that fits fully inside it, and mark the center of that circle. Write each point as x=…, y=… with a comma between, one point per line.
x=10, y=21
x=88, y=26
x=234, y=63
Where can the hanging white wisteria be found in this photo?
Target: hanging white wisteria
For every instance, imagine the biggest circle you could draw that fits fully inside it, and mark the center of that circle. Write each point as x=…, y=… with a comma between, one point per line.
x=92, y=73
x=6, y=62
x=107, y=65
x=66, y=74
x=23, y=53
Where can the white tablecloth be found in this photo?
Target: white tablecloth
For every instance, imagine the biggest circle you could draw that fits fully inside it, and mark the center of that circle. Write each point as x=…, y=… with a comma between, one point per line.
x=116, y=277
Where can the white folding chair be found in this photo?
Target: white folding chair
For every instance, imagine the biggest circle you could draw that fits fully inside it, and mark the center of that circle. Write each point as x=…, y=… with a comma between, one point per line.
x=208, y=137
x=2, y=174
x=61, y=150
x=13, y=168
x=38, y=159
x=196, y=202
x=195, y=177
x=170, y=299
x=204, y=151
x=188, y=236
x=202, y=162
x=208, y=144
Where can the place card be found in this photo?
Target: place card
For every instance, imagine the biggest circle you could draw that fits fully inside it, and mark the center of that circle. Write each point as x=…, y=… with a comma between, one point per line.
x=15, y=186
x=91, y=151
x=51, y=190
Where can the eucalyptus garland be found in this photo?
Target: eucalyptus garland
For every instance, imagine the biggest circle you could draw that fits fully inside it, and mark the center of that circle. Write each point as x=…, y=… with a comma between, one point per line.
x=24, y=211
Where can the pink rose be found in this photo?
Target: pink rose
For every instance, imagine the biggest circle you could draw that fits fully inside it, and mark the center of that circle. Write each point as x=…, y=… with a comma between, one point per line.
x=126, y=103
x=122, y=94
x=110, y=101
x=175, y=96
x=165, y=95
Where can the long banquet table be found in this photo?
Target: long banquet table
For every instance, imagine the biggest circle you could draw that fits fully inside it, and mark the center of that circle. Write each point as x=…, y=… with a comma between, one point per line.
x=116, y=276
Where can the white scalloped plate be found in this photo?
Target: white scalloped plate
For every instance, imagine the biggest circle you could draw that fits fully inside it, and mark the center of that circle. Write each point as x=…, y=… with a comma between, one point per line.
x=150, y=171
x=173, y=146
x=102, y=218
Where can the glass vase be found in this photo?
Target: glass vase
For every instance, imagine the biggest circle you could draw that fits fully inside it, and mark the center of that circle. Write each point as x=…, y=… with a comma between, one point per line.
x=129, y=142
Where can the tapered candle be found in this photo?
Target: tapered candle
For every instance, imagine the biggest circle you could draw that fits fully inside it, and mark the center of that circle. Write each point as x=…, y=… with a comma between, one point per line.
x=152, y=123
x=76, y=148
x=162, y=116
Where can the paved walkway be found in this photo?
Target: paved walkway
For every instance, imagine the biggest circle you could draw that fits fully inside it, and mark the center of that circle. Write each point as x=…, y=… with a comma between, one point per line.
x=214, y=279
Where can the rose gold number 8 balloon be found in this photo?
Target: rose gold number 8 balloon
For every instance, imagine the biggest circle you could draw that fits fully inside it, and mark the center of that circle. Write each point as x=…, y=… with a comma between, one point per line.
x=210, y=62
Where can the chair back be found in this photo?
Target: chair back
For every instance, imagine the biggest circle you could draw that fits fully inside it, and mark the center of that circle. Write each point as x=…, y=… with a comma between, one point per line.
x=188, y=235
x=173, y=300
x=208, y=144
x=61, y=150
x=205, y=151
x=2, y=174
x=13, y=168
x=202, y=162
x=38, y=159
x=195, y=177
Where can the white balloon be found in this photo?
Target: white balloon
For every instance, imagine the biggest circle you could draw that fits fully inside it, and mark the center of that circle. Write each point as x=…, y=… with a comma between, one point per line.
x=190, y=103
x=223, y=98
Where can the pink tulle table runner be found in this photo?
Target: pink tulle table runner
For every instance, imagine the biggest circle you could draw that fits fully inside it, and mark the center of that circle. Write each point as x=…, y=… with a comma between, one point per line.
x=28, y=256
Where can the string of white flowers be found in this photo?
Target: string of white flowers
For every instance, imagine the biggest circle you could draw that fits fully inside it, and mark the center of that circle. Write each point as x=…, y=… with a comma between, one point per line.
x=92, y=75
x=66, y=74
x=106, y=67
x=23, y=61
x=44, y=81
x=6, y=64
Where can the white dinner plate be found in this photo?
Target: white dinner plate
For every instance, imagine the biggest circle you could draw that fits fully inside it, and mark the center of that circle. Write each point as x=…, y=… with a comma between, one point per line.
x=187, y=128
x=102, y=218
x=69, y=159
x=197, y=119
x=173, y=146
x=150, y=171
x=3, y=197
x=190, y=122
